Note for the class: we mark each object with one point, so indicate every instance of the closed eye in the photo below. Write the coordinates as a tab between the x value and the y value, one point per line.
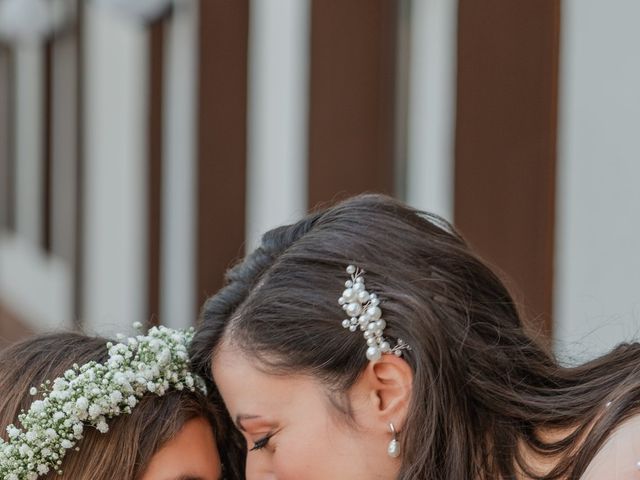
260	444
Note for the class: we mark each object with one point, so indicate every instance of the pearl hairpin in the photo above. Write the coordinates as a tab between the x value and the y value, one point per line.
365	314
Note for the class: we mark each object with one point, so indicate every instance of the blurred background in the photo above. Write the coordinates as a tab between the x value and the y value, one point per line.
146	144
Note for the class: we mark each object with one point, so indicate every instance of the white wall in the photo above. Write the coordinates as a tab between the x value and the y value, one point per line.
597	283
278	105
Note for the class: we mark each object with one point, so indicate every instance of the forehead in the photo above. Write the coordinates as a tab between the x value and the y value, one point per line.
248	389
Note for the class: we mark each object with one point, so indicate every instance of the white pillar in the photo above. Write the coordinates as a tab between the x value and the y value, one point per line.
432	92
278	111
178	244
115	207
29	112
597	293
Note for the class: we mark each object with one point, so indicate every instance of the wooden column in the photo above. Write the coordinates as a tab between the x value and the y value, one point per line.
352	98
7	152
506	142
222	151
78	263
155	142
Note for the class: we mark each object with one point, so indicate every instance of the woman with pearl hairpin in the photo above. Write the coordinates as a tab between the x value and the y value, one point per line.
414	363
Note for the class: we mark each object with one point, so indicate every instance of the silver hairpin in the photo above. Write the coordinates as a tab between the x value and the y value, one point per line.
364	311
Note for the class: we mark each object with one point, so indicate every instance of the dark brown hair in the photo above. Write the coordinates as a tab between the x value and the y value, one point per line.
482	387
126	450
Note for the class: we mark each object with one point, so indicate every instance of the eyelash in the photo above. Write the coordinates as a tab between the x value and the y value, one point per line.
262	443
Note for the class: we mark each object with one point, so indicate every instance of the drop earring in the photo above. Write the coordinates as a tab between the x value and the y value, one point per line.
393	450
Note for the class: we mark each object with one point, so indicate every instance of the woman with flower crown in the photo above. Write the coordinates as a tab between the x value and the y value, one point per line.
367	341
83	408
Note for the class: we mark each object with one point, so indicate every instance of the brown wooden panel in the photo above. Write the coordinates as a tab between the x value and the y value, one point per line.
352	107
154	186
78	264
7	157
506	140
222	117
47	146
12	328
62	140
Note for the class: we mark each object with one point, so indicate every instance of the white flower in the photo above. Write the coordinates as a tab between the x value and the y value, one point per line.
115	360
94	410
116	397
66	444
82	403
25	450
102	426
60	384
33	391
13	431
37	406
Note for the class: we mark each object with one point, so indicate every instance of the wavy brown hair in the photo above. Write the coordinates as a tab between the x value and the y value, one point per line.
126	450
483	388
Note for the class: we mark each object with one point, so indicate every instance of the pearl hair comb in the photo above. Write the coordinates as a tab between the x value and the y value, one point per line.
365	314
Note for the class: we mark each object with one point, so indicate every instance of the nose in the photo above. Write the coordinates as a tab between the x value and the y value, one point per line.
258	467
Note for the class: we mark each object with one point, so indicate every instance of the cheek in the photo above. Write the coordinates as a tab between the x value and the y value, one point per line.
316	452
291	460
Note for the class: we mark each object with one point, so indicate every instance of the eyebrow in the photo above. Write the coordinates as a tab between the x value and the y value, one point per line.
240	418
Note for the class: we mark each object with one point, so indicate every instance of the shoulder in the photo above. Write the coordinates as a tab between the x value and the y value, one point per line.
618	459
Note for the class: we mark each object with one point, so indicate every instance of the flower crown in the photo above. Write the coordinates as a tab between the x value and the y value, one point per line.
364	311
90	394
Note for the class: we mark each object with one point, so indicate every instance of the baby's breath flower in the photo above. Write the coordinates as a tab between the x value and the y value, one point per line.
90	394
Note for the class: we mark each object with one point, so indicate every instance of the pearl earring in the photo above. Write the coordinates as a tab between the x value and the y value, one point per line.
393	450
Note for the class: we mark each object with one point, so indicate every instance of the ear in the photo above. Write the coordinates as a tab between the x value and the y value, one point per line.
387	383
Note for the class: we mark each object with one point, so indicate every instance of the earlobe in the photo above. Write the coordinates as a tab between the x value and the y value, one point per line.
391	380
